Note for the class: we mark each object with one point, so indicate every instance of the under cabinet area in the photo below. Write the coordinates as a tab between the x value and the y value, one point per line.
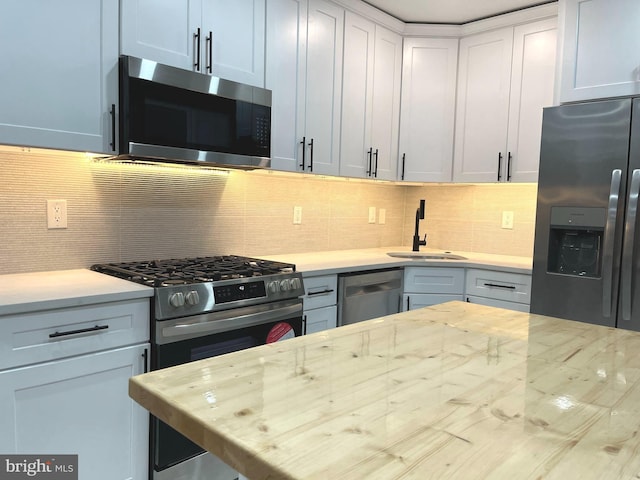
60	74
320	303
425	286
498	289
215	37
505	78
65	375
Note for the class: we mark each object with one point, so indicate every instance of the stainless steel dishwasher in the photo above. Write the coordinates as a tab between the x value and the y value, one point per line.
367	295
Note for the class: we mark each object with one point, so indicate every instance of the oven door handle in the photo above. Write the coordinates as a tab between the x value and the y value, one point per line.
208	324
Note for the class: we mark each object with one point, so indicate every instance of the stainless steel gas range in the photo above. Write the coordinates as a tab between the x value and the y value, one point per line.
203	307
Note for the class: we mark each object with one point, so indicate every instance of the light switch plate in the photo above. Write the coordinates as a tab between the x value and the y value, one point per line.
372	214
382	216
297	215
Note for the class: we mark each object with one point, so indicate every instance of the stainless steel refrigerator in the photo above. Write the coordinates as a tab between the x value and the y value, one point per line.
586	260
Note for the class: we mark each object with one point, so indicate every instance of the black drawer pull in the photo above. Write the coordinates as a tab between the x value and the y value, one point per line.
321	292
508	287
75	332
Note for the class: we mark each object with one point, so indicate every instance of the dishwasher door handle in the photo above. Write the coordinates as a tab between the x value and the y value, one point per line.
373	288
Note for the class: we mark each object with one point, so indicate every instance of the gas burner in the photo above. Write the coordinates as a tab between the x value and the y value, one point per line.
169	272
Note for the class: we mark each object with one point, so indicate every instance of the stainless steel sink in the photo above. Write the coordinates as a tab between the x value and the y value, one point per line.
426	255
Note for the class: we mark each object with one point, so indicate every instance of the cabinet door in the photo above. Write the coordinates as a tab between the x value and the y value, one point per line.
60	73
356	147
427	109
284	76
598	38
492	302
532	81
320	319
79	406
233	36
412	301
163	31
483	106
323	87
385	114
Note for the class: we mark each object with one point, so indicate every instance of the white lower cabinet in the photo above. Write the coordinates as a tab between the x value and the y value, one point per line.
425	286
320	303
79	405
498	289
64	375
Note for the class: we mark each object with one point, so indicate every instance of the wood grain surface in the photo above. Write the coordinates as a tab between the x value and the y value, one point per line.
454	391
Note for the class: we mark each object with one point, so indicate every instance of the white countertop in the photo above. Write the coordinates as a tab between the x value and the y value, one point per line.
343	261
29	292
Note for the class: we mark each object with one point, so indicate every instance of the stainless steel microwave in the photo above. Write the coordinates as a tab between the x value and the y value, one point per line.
174	115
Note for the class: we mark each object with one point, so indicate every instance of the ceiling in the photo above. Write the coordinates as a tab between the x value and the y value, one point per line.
449	11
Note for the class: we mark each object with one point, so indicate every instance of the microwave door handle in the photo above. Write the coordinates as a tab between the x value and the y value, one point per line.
609	237
627	249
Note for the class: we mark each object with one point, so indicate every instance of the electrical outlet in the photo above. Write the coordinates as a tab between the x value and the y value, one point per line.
297	215
507	220
372	214
382	216
56	214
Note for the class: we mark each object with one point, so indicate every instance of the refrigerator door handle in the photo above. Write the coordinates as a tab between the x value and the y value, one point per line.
609	236
627	249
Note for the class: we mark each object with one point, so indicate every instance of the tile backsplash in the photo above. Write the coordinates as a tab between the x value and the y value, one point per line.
139	212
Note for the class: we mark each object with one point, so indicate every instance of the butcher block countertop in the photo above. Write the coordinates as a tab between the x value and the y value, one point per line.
453	391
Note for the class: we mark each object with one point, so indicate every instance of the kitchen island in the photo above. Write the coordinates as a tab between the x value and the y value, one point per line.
453	391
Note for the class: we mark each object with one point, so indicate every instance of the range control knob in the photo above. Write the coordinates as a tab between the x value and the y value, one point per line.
274	287
295	283
192	298
285	285
176	299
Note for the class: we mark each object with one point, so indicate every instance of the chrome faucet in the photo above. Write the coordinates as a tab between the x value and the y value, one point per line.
416	235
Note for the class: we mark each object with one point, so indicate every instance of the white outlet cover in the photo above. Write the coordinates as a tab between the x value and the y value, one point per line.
56	214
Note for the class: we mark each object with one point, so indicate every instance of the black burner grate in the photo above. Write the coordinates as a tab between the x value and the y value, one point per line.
162	273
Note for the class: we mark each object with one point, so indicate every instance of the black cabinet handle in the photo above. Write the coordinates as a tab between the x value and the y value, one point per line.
304	325
81	330
403	159
113	127
145	358
507	287
408	305
509	167
370	156
311	156
321	292
375	170
196	39
499	165
304	150
209	50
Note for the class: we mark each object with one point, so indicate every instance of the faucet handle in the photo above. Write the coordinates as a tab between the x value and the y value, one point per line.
424	241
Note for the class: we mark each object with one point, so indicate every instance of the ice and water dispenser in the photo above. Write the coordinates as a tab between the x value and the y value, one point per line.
576	240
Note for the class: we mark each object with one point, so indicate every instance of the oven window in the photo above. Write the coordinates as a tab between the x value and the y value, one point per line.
170	447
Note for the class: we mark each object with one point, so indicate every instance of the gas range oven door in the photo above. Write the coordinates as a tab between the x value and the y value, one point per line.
194	338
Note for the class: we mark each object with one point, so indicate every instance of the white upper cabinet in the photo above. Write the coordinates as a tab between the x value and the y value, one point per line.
505	79
370	99
601	41
216	37
427	109
304	72
60	74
